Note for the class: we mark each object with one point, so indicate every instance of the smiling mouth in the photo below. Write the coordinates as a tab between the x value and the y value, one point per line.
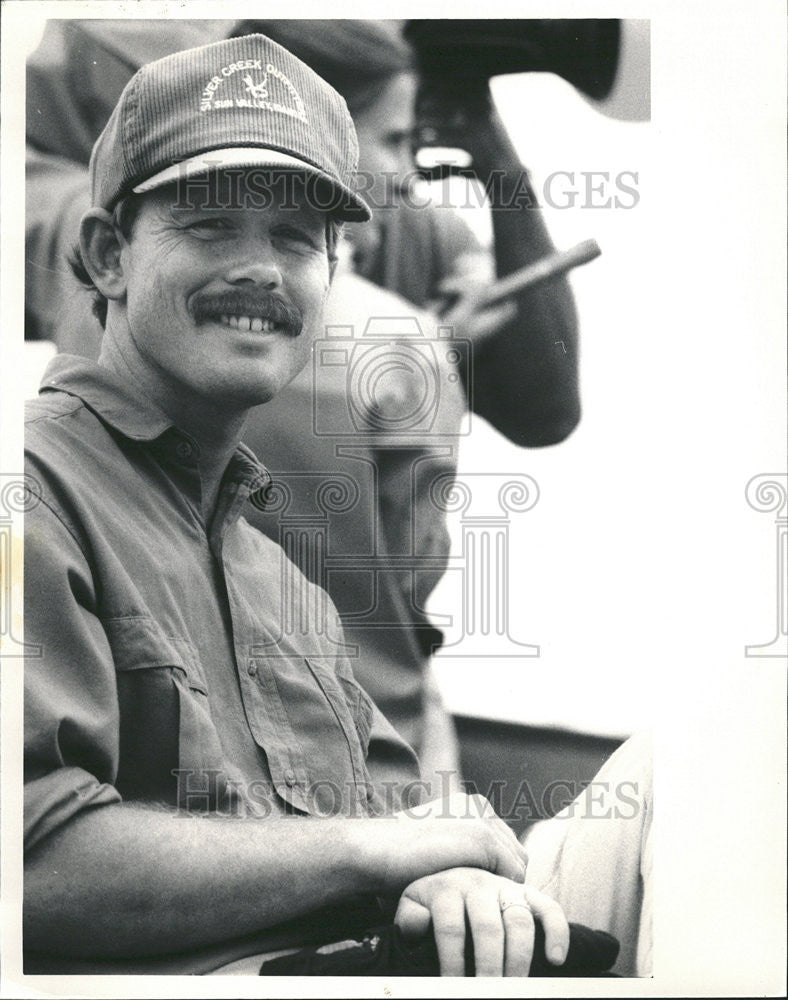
258	313
249	324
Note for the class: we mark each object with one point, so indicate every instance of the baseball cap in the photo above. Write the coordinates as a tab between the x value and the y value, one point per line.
242	102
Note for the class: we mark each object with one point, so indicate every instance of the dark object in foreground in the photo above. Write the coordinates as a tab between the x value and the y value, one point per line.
454	54
383	951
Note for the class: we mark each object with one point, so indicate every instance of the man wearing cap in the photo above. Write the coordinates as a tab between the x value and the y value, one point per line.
523	381
180	743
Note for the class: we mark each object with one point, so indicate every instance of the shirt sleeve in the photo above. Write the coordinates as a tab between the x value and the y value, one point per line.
71	705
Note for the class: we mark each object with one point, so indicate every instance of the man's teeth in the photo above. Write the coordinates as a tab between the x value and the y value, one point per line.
248	324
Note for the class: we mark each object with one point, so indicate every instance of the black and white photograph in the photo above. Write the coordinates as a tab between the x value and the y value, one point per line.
393	500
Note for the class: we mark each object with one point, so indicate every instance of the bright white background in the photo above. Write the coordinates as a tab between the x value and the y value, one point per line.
642	572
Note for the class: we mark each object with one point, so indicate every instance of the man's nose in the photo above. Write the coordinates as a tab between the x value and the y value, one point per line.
255	262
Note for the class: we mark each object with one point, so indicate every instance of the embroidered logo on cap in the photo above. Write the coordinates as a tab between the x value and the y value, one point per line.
266	88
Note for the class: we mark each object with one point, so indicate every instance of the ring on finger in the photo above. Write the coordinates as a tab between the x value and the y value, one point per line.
515	902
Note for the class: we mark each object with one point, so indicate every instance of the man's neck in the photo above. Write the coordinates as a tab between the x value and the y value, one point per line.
215	429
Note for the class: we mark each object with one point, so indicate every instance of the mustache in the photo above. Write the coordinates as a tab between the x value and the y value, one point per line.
240	302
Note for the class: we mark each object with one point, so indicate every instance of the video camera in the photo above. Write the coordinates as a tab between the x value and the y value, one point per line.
457	58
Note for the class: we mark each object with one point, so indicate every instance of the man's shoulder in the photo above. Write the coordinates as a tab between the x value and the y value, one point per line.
54	418
50	406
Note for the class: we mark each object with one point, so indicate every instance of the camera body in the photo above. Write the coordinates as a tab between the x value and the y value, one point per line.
393	381
457	59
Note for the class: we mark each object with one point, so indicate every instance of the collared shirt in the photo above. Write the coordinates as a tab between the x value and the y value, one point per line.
181	662
73	81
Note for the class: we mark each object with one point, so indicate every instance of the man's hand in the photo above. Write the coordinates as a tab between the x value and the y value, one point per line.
498	913
464	307
456	831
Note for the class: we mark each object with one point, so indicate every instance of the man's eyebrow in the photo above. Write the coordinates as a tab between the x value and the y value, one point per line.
177	211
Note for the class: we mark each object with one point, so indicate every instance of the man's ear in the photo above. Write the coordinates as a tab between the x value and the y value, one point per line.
100	245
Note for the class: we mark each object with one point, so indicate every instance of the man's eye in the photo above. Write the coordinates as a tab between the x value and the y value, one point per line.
297	236
209	226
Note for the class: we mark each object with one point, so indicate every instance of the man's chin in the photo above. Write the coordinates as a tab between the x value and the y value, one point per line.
258	392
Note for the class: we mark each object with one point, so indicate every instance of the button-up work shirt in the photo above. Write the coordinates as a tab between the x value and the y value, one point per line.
182	661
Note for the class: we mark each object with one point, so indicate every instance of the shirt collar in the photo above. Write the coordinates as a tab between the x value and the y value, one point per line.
116	403
110	397
246	467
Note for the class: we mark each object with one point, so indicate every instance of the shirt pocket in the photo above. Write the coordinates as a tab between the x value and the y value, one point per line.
169	750
360	705
353	709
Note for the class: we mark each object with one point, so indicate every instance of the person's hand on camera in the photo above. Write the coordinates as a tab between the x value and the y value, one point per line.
498	913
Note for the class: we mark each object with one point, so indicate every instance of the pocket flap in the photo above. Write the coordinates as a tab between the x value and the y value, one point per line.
139	643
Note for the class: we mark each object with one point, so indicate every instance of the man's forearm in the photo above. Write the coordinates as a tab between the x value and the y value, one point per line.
129	880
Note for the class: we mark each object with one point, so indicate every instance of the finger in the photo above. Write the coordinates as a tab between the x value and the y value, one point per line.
478	805
484	919
514	851
554	922
510	837
448	925
511	867
412	918
518	925
510	860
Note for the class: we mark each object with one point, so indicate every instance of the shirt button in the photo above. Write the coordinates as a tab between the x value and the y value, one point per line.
252	668
290	778
183	449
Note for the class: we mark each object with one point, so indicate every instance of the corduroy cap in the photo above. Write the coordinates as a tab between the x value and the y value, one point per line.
243	102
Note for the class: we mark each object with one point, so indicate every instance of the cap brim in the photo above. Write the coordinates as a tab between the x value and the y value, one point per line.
345	204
